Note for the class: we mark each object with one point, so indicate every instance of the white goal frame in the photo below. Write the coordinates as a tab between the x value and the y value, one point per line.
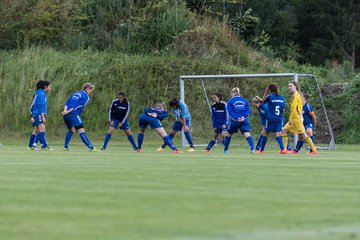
295	77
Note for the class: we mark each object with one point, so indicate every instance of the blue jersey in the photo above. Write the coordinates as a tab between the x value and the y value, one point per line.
307	109
160	112
238	107
38	105
182	111
263	112
219	114
276	106
77	101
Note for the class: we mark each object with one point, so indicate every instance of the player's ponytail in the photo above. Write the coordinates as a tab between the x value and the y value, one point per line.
274	88
235	92
305	95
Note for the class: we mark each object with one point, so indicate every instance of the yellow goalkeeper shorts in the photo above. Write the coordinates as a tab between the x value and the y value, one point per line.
296	127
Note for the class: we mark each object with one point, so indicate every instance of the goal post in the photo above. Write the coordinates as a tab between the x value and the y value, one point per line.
294	76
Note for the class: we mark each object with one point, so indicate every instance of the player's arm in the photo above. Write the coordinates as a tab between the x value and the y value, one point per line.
162	115
230	111
226	120
213	117
313	117
42	103
183	122
126	115
66	106
266	93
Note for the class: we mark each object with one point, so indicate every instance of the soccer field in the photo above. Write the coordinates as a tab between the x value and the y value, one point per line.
120	194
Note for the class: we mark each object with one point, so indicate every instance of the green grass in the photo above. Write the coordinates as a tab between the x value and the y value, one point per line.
119	194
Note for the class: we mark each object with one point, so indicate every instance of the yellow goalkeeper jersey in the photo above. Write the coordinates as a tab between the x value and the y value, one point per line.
296	107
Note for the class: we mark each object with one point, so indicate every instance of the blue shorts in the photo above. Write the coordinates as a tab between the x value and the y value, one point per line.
125	126
273	127
219	129
244	126
145	120
178	125
38	121
309	125
73	120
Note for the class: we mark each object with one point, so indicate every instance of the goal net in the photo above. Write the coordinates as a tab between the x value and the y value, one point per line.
203	86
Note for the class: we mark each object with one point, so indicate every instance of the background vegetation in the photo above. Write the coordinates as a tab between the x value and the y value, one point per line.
141	47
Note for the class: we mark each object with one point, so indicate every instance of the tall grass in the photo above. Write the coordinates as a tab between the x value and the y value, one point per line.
143	78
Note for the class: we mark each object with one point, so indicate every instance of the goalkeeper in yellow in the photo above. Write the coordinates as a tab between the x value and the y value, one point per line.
295	124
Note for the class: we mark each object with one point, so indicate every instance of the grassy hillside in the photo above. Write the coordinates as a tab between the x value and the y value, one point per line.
210	48
143	77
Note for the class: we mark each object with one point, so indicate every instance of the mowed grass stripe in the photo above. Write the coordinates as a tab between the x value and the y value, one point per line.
119	194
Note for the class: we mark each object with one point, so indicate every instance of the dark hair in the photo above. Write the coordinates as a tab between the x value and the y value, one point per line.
218	95
274	88
174	103
41	84
306	96
123	95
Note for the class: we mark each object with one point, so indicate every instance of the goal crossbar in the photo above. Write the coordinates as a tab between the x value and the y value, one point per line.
295	77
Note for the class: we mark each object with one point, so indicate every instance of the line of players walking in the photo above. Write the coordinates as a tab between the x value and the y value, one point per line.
227	119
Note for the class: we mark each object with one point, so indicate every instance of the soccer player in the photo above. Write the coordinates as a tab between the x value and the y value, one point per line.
182	122
118	114
38	109
219	118
239	111
262	109
275	116
153	117
309	121
73	108
295	124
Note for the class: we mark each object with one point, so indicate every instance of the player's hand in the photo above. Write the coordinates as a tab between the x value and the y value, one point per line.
64	113
120	124
44	120
186	128
32	120
224	126
111	123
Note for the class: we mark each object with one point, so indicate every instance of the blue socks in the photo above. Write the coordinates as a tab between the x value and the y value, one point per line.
168	141
211	144
140	139
280	141
171	136
106	140
259	143
313	139
42	139
86	141
189	139
299	145
263	144
32	140
68	137
251	142
132	141
227	143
